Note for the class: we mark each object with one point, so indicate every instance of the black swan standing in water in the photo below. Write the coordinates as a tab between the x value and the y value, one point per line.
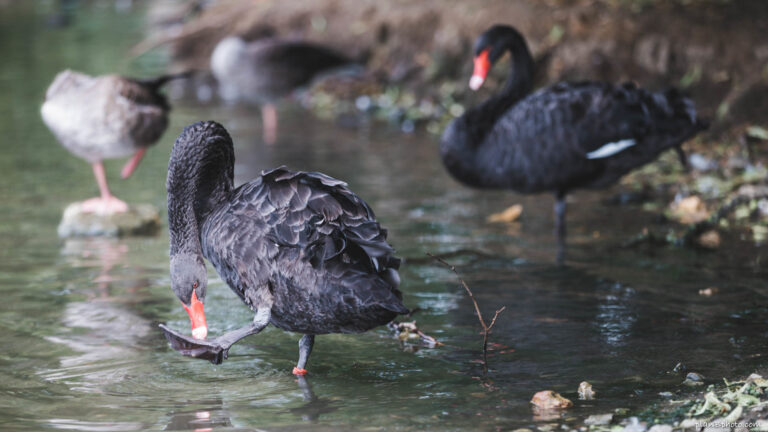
263	71
299	248
560	138
105	117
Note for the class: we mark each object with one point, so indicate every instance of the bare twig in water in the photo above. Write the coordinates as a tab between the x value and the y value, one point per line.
447	255
486	328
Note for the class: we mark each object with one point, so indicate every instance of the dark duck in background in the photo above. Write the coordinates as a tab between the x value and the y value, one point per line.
560	138
105	117
299	248
263	71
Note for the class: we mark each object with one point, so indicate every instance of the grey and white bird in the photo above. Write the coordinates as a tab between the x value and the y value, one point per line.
263	71
105	117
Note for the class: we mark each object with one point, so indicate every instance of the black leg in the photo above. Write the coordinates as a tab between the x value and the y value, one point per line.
305	349
560	231
683	158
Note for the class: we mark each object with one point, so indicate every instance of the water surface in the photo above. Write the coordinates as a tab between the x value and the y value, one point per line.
81	348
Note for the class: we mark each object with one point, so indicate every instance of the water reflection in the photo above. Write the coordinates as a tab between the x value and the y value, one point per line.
103	330
213	415
99	253
614	318
93	426
314	406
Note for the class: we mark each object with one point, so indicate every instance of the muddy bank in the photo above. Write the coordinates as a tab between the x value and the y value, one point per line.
717	51
419	56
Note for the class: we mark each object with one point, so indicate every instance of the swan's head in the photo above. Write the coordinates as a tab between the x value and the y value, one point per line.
489	48
189	281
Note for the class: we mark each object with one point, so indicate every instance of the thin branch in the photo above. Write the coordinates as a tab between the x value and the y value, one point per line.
486	328
496	315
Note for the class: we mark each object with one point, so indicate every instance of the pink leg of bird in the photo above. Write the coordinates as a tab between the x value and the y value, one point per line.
106	203
269	123
131	165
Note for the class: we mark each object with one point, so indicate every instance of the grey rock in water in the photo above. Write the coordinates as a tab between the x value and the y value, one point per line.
635	425
598	419
140	219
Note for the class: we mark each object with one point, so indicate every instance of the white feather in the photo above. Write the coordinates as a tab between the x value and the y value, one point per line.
611	149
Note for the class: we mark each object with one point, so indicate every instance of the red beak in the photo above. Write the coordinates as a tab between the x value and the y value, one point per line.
482	66
197	316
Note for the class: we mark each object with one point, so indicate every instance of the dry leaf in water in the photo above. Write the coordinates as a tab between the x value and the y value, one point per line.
585	391
509	215
548	399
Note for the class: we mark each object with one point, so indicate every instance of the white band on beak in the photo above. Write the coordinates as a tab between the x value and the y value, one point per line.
475	82
200	333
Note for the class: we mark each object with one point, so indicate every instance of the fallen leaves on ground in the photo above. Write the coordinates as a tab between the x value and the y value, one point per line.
689	210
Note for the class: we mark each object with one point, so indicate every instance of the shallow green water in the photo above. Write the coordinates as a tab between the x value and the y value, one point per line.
78	321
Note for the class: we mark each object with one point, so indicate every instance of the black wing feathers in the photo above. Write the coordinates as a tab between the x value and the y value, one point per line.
329	227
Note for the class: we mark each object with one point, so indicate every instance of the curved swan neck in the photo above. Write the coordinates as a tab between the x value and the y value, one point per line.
200	178
520	78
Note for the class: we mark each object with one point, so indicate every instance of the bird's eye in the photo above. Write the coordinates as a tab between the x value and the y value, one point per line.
194	285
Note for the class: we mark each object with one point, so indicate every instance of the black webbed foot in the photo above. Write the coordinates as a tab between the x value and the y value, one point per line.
203	349
215	350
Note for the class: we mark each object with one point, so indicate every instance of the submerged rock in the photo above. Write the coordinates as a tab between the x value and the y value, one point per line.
635	425
598	419
693	379
140	219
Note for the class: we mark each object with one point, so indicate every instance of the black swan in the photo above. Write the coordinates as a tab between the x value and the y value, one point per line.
104	117
560	138
300	249
263	71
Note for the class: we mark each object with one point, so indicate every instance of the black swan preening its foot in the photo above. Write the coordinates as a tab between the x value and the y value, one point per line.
105	117
560	138
263	71
299	248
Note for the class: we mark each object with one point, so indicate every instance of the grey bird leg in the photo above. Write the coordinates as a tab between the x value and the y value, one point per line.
305	349
216	350
560	231
260	321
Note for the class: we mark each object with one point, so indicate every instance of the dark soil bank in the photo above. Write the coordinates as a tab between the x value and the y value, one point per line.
716	50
